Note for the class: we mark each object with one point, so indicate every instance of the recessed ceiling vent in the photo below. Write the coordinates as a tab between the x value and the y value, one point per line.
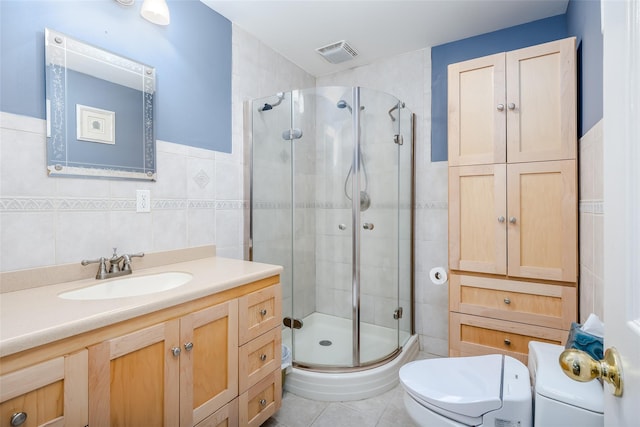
337	52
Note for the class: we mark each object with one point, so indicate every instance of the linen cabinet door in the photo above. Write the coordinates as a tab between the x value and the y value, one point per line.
134	379
543	218
542	102
477	111
51	393
477	219
209	361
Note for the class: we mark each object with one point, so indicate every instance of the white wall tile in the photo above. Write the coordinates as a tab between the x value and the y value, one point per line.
27	240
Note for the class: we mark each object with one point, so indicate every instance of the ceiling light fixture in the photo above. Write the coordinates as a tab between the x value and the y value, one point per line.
155	11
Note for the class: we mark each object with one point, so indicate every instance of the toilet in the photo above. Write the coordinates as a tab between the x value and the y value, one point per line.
496	390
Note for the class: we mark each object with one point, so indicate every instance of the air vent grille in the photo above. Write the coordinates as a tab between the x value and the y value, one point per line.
337	52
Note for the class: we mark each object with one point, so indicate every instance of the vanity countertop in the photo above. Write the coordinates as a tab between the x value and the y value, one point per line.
37	316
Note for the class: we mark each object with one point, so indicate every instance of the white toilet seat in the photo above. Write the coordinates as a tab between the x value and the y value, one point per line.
468	391
467	386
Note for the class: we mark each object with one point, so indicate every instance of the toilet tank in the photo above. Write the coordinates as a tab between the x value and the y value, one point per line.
559	400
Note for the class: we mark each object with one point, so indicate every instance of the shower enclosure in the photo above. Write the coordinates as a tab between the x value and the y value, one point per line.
331	201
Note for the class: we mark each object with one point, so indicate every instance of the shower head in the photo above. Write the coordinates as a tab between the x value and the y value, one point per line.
267	106
344	104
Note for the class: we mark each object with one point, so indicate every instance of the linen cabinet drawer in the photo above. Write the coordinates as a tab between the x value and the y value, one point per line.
552	306
259	312
261	401
259	357
474	335
227	416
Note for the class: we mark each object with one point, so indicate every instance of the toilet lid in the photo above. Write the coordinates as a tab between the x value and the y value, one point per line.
464	385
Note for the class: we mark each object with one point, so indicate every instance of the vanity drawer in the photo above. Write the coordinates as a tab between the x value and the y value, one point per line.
259	312
551	306
227	416
259	357
474	335
261	401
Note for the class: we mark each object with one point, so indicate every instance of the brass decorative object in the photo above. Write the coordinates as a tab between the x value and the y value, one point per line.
579	366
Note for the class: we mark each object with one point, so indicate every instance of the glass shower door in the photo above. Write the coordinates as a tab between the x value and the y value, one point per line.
271	192
378	211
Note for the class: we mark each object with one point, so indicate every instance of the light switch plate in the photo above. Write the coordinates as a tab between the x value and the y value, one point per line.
143	201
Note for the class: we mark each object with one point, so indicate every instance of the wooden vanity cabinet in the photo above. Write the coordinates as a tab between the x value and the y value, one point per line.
174	373
185	371
51	393
518	220
518	106
513	200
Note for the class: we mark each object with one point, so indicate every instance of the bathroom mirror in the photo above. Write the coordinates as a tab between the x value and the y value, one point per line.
99	112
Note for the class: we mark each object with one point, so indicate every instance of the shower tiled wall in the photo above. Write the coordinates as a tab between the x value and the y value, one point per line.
259	72
49	221
591	223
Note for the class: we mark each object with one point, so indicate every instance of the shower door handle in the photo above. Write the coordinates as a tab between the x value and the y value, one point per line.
367	226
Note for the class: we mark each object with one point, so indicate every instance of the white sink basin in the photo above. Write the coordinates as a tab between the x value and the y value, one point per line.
130	286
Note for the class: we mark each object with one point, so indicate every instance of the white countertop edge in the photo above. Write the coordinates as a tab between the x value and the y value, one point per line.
34	317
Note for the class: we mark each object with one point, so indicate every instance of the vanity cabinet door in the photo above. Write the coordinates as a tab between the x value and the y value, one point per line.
477	111
209	361
134	379
51	393
477	218
542	231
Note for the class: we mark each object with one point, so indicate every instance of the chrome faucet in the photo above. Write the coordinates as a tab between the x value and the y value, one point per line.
115	269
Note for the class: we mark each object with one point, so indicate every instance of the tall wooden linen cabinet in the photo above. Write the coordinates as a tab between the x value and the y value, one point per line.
513	218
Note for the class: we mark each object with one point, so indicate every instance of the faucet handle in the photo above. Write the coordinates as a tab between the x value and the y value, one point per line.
102	268
126	265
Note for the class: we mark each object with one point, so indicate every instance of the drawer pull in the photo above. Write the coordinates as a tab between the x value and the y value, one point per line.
263	357
507	301
18	418
262	402
263	312
507	341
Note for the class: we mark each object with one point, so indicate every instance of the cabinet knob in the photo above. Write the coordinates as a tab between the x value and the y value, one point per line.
262	402
263	312
507	301
188	346
500	219
512	220
18	418
263	357
512	106
500	107
175	351
507	341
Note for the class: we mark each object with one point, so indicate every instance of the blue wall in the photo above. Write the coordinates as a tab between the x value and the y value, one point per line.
583	21
541	31
192	57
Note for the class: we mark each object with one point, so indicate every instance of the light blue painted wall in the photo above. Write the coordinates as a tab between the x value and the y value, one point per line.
517	37
192	57
583	21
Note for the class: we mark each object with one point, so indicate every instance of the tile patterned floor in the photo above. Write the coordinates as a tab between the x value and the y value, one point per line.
386	410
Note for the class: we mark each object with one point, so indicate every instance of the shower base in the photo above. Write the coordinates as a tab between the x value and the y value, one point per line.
311	348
